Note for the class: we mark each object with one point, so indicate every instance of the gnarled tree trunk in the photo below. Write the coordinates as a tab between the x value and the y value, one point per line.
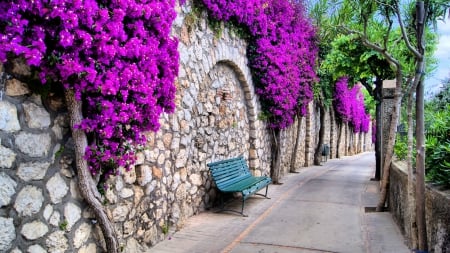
86	184
318	151
292	169
276	158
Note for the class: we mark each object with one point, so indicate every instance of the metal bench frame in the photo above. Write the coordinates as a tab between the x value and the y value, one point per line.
233	175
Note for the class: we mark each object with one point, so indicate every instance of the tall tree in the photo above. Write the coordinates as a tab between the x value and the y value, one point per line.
380	16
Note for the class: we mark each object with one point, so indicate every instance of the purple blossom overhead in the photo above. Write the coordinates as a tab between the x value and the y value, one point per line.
117	56
282	53
349	106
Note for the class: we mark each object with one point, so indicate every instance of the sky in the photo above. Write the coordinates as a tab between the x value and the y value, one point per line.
434	81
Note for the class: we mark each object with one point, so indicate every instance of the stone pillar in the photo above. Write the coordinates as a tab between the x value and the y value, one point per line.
387	108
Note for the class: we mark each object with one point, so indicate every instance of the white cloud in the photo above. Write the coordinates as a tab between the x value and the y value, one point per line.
442	54
443	49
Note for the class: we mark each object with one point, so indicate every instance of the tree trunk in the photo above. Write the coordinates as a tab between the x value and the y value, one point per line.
297	142
318	151
332	132
411	195
276	151
420	136
86	184
420	170
338	141
390	144
378	126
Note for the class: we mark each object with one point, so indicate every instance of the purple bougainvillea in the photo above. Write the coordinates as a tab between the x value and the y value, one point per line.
349	106
117	56
282	53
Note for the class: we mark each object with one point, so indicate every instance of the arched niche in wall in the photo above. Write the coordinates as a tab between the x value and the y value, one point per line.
226	120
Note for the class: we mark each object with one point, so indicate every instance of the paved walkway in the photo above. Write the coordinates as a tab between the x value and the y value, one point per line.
319	209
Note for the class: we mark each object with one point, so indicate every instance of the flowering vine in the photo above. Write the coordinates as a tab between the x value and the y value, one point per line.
282	53
117	56
349	106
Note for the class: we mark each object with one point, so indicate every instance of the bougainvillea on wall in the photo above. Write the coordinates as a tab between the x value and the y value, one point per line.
117	56
349	106
282	53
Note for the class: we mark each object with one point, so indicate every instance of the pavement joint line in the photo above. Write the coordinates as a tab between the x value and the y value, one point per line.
269	210
289	247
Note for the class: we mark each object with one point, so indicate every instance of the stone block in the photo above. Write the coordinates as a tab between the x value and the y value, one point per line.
7	157
32	171
34	230
29	201
28	143
9	121
57	188
7	190
7	233
57	242
82	235
16	88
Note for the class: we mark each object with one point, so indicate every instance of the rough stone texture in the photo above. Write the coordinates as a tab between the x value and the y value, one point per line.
29	201
82	234
7	157
57	242
36	249
9	121
16	250
57	188
34	230
7	233
72	213
36	116
92	248
32	171
437	209
7	189
27	143
16	88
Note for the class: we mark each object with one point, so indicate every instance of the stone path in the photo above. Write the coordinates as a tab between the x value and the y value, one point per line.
320	209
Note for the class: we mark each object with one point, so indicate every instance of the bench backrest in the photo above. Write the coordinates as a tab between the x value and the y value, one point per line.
230	171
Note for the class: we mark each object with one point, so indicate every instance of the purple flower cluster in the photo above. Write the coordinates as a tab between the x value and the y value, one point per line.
349	106
117	56
282	53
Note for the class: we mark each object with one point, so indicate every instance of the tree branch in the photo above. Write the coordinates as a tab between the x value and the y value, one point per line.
416	53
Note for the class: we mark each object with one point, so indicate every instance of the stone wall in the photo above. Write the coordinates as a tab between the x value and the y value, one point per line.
437	209
216	117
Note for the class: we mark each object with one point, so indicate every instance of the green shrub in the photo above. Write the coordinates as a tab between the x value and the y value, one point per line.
401	148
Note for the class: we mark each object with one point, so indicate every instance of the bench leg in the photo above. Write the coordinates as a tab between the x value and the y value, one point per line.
264	195
222	207
242	209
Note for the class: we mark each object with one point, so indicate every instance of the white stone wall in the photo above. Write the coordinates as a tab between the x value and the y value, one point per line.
40	208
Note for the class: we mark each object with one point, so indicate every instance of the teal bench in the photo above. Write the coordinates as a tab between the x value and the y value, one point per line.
233	175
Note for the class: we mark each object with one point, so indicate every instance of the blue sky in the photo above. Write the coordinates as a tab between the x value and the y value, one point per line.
434	81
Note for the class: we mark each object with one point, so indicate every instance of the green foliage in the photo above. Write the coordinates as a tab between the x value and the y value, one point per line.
63	225
59	152
369	103
165	228
401	148
437	123
438	161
